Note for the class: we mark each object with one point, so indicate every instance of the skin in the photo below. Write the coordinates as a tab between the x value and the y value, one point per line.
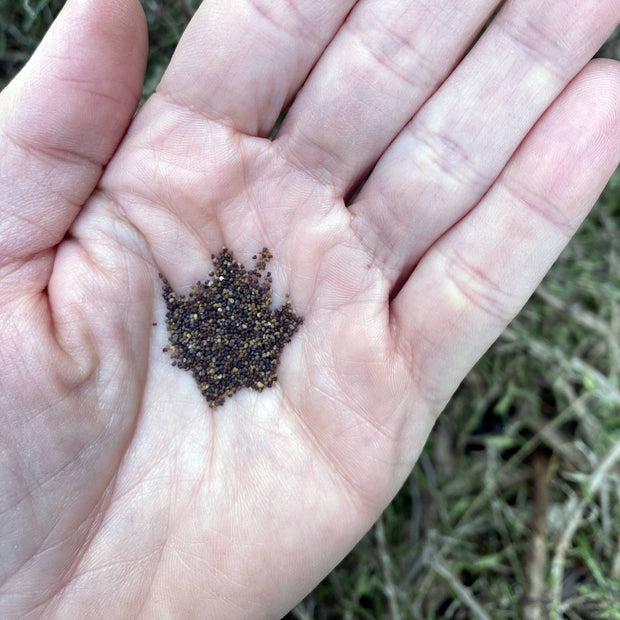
121	493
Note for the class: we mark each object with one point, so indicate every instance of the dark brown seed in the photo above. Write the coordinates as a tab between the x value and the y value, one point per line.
225	333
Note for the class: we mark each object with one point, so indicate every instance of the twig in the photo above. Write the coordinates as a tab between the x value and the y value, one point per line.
535	596
560	443
520	456
389	588
615	569
462	592
577	313
28	9
557	566
300	613
544	352
586	319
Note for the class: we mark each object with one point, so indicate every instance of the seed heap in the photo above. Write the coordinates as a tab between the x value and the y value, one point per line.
225	333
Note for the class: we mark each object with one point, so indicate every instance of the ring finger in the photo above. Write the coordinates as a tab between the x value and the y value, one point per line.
449	155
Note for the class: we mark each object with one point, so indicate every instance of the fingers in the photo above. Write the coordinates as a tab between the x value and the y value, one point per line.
458	143
384	63
62	118
239	62
475	279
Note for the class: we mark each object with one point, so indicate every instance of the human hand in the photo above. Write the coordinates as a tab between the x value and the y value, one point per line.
122	493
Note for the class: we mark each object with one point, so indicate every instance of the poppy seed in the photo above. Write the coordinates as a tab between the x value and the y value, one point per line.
225	333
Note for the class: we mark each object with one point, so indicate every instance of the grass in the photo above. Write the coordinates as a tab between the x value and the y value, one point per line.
514	508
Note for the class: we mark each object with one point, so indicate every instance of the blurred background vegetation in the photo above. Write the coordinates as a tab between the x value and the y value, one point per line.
513	510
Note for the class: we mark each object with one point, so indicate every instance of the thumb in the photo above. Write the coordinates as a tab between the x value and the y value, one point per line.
62	118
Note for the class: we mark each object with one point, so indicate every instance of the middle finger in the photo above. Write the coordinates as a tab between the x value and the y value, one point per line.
385	61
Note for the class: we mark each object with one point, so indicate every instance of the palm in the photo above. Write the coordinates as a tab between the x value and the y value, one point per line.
132	483
282	457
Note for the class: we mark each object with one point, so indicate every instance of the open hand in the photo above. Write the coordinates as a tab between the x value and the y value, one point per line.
122	493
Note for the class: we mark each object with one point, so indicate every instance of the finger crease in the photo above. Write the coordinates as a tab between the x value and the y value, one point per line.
59	154
421	78
479	289
541	206
450	157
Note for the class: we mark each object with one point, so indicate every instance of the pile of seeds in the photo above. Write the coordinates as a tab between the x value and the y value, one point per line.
225	333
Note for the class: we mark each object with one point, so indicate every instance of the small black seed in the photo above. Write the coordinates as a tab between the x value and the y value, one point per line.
225	333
